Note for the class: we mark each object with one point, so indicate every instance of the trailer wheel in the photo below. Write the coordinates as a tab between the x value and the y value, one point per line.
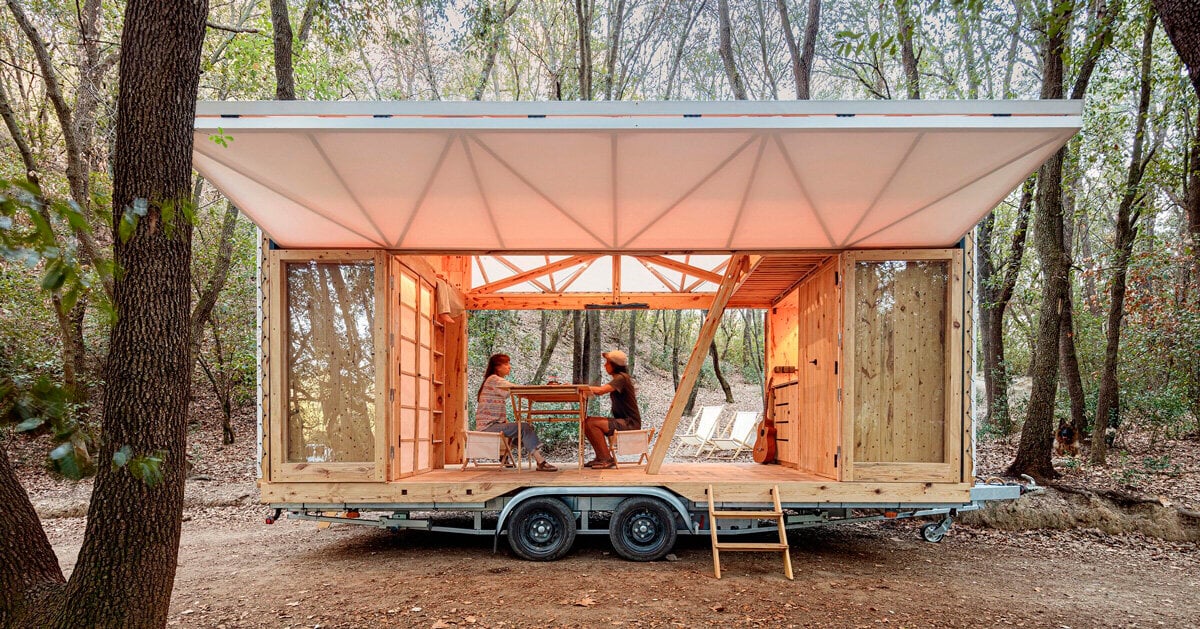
932	532
541	529
642	529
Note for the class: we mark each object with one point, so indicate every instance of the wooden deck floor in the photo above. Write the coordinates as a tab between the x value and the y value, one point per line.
570	474
740	482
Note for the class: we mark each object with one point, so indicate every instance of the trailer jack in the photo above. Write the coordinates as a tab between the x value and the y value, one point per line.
274	516
935	531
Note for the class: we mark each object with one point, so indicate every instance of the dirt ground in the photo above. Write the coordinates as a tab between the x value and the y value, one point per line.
235	571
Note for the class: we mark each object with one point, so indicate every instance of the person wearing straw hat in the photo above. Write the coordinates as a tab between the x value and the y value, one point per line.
625	412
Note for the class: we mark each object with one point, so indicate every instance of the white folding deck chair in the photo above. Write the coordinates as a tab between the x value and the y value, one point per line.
485	445
630	443
741	435
703	427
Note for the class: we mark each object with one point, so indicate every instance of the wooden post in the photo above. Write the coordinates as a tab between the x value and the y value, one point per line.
738	269
458	273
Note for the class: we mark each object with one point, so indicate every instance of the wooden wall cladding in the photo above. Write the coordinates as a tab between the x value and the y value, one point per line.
803	333
818	419
903	413
900	354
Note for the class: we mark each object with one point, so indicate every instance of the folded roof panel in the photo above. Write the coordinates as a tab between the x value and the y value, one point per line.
624	177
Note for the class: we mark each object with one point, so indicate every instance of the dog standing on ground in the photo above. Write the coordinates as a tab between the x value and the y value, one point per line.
1066	442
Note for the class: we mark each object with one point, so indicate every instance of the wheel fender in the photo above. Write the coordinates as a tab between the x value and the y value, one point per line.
668	497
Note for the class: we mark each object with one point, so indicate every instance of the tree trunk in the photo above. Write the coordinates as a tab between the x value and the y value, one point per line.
583	21
495	36
207	298
633	337
1181	20
1108	405
908	55
1069	360
28	565
126	565
617	19
592	347
802	61
726	50
548	350
1037	435
578	360
281	26
716	363
994	299
677	56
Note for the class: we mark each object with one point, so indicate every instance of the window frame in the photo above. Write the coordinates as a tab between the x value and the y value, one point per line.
281	469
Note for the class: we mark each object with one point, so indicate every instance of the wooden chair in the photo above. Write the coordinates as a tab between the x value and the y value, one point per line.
485	445
741	435
704	425
631	442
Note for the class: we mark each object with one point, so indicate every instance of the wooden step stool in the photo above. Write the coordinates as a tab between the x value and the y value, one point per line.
777	515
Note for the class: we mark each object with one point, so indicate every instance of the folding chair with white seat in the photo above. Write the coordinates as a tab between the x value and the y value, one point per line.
631	442
485	445
704	426
741	435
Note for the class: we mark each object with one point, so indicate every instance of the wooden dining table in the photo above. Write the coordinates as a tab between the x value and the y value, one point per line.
550	403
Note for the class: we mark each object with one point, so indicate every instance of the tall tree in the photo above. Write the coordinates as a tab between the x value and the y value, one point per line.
584	10
281	29
725	48
493	24
616	20
126	565
906	24
1037	435
802	58
1181	20
996	286
1128	213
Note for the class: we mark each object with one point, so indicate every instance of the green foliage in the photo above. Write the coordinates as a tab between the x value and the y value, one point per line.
30	398
147	468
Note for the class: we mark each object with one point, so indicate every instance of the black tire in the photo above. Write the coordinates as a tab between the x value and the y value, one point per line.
541	529
642	529
932	533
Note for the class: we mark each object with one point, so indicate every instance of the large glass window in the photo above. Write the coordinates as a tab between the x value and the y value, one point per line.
330	373
900	360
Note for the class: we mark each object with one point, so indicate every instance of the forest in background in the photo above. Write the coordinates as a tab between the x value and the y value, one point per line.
1104	237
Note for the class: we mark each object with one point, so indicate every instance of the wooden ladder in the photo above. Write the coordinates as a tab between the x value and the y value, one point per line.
718	546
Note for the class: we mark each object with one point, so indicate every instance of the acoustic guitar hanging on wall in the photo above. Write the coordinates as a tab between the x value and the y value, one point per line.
764	444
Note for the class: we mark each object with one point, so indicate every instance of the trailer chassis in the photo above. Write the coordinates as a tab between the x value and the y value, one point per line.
595	510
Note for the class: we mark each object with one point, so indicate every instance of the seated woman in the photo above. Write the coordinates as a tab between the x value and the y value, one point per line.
490	414
625	413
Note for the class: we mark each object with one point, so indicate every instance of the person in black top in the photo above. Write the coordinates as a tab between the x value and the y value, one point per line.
625	413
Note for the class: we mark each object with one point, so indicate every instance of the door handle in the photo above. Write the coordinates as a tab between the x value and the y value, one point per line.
814	362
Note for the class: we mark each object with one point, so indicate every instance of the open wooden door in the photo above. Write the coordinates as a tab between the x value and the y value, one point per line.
902	382
328	367
413	381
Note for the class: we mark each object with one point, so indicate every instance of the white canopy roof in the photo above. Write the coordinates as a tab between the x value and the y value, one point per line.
623	177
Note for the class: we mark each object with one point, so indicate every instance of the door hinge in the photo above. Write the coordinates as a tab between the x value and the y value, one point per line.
839	395
391	395
837	455
392	454
835	367
836	278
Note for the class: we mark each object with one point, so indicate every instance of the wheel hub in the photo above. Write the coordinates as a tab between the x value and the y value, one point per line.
541	529
643	528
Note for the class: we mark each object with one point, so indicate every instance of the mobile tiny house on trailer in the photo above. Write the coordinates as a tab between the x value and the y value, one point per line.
845	221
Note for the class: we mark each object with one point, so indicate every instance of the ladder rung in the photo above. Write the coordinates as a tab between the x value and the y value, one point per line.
747	514
750	546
